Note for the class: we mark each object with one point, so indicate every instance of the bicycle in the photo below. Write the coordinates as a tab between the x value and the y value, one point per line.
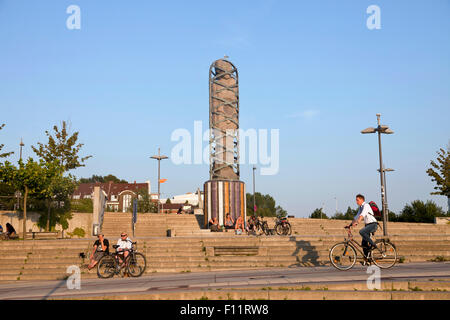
343	255
282	226
134	265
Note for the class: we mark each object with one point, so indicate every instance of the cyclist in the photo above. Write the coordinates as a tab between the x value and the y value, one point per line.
124	246
365	212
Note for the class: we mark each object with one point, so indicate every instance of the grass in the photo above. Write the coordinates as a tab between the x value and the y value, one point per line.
305	288
401	259
440	259
415	289
441	290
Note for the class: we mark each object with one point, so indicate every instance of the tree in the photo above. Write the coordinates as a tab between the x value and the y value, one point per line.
6	154
102	179
58	188
168	201
27	178
265	205
318	214
440	174
145	204
62	147
348	215
418	211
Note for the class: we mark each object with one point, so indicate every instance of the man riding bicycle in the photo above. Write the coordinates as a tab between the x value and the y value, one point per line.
124	245
365	212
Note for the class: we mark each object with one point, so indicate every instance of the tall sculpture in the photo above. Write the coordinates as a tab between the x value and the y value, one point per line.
224	193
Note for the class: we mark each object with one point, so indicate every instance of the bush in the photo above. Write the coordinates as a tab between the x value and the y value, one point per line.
418	211
79	232
318	214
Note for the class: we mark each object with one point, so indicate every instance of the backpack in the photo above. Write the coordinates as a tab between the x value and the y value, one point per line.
376	211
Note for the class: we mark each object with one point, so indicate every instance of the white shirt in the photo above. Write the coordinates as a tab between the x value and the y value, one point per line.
124	244
366	211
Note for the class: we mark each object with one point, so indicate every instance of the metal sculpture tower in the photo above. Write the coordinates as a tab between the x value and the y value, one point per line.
224	193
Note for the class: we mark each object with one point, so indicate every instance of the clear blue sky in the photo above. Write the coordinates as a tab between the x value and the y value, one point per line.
137	70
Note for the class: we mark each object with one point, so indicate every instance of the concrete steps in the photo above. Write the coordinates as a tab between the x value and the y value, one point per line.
49	259
395	290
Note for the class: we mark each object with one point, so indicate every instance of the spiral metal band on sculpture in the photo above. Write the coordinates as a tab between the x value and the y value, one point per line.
217	131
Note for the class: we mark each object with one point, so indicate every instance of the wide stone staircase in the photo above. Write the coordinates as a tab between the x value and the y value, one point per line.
152	225
193	249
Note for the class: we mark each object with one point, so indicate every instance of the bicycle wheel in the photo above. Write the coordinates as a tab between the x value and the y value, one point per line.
279	229
265	228
137	264
106	267
342	256
385	255
287	229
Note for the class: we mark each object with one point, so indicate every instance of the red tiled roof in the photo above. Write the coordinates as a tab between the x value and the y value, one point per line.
110	188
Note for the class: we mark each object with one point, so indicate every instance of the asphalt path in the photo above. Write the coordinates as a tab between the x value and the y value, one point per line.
159	283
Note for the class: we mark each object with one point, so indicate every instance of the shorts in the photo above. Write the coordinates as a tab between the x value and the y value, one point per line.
98	255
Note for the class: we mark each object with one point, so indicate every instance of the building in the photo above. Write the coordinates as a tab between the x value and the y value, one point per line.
187	198
119	195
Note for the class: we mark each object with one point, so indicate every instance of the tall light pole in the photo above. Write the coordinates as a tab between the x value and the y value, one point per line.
159	157
385	184
254	199
335	198
21	145
381	129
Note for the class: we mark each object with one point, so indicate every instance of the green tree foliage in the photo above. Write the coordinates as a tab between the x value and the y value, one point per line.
440	173
57	189
265	206
102	179
168	201
418	211
27	178
318	214
81	205
7	198
145	204
61	147
6	154
348	215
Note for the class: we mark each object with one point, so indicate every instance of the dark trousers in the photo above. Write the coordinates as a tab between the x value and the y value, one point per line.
365	234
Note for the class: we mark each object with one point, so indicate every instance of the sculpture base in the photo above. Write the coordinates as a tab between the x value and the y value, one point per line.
222	197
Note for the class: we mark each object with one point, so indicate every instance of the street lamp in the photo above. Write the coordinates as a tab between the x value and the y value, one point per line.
385	184
254	199
381	129
159	157
21	145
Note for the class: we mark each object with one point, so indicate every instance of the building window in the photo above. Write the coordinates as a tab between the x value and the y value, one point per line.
126	202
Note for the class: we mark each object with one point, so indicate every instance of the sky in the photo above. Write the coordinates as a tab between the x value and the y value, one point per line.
136	71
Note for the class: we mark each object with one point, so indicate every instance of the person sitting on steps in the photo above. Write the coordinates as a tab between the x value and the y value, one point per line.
229	222
239	226
101	247
214	225
124	245
10	231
